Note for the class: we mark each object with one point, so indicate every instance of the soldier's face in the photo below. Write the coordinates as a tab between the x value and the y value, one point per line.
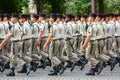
107	19
22	20
97	19
66	19
51	20
41	18
82	19
0	19
114	19
102	20
76	19
14	19
33	19
5	19
118	17
58	20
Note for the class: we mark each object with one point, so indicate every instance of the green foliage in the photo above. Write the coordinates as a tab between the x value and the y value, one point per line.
112	6
12	6
78	6
59	6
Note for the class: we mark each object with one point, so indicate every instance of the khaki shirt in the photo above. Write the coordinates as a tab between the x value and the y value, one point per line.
92	30
35	30
110	29
2	30
100	33
16	31
27	30
61	28
54	30
104	25
117	30
43	26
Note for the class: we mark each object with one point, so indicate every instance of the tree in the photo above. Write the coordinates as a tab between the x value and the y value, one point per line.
78	6
11	6
112	6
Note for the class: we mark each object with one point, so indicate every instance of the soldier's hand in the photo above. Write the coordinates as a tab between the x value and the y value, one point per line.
0	46
83	47
44	48
38	43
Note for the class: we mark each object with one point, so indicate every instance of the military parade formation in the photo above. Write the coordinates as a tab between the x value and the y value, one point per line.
59	41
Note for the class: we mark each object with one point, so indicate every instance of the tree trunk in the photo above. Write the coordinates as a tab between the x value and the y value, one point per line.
93	6
101	7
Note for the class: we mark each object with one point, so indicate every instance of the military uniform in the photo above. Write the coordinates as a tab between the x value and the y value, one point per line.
43	27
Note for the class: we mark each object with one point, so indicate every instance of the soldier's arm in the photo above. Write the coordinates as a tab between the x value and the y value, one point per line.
47	42
40	37
86	41
6	39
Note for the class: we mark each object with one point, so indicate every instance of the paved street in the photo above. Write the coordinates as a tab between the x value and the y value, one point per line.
41	74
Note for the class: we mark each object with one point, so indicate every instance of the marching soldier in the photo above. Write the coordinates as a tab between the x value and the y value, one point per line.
53	37
42	38
26	44
90	46
100	36
14	35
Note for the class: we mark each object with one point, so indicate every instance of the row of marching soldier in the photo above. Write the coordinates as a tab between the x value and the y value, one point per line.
59	41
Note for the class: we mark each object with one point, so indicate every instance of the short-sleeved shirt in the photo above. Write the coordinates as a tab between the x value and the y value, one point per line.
2	31
104	25
100	33
16	31
61	28
69	30
54	30
117	30
35	30
27	30
74	27
110	29
92	30
43	26
6	25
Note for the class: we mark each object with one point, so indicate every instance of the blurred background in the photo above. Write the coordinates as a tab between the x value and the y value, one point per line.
59	6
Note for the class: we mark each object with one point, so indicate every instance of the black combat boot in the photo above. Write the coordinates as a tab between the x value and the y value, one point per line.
7	65
112	63
24	69
2	65
91	72
30	67
73	66
99	68
43	64
48	63
55	71
118	59
63	67
35	66
11	73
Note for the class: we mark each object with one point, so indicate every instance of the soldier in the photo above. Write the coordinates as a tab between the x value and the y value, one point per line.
62	56
42	37
53	37
14	35
90	46
100	36
116	38
69	49
80	33
3	57
110	37
26	44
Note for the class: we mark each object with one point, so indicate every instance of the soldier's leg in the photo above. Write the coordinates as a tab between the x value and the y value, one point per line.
91	56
